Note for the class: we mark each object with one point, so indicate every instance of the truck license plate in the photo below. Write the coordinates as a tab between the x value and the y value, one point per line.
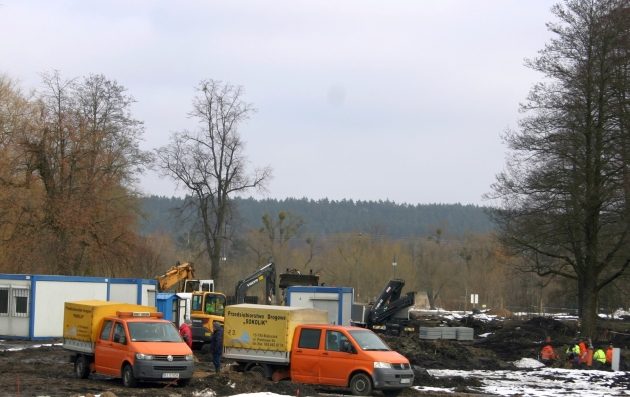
405	380
170	375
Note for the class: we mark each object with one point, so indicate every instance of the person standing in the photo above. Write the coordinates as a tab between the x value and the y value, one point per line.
609	354
547	354
573	354
216	345
186	332
583	352
599	358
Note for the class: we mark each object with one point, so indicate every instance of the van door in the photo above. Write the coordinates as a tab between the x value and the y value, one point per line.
338	359
305	357
118	348
103	349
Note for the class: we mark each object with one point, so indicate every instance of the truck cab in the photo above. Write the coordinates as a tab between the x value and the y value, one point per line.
138	346
351	357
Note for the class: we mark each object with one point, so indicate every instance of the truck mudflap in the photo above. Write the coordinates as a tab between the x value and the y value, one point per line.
393	378
163	369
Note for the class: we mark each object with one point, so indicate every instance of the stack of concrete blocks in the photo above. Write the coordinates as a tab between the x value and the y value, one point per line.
430	333
464	333
449	332
459	333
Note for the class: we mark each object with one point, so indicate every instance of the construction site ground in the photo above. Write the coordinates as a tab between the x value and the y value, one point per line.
44	368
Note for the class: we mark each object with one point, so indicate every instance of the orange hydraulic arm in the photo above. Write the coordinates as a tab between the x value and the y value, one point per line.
176	274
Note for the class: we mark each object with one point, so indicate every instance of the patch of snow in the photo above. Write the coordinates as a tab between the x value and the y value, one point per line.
528	363
204	393
542	382
433	389
484	317
487	334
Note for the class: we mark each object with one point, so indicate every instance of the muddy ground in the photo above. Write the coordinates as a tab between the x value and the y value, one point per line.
47	370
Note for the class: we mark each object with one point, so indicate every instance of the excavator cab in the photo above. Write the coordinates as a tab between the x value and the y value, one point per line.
206	308
212	304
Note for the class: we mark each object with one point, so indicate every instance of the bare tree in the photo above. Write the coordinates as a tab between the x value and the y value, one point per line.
210	162
74	157
565	201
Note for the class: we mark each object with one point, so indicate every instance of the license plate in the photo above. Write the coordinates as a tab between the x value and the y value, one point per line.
170	375
405	380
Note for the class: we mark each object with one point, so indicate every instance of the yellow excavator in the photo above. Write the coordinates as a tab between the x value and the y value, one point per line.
206	305
181	277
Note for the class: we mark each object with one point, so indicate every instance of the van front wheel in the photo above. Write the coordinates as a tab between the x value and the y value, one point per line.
127	376
361	385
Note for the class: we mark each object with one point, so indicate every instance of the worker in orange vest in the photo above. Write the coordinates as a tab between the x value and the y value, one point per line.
609	354
583	351
547	354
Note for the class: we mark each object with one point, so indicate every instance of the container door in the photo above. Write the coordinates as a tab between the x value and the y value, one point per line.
305	357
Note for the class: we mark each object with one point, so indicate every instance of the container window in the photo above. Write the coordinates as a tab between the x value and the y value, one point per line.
309	338
20	302
4	301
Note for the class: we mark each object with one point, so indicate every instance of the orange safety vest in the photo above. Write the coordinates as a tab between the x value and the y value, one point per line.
609	355
547	353
583	352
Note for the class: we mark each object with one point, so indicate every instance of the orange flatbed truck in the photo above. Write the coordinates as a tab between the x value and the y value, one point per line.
297	343
126	341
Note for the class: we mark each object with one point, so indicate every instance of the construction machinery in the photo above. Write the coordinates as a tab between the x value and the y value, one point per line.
389	312
181	277
206	308
267	274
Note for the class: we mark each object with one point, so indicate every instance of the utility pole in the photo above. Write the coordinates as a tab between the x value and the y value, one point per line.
394	265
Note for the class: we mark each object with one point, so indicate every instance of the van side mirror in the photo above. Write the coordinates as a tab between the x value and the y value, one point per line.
346	347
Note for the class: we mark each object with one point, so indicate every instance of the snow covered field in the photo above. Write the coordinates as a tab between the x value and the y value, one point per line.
543	382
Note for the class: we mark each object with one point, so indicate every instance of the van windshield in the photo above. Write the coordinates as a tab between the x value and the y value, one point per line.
368	340
153	332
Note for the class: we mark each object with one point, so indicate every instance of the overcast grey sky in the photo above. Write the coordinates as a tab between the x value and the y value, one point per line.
363	100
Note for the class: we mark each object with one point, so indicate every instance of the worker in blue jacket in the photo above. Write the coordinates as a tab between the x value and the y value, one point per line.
216	345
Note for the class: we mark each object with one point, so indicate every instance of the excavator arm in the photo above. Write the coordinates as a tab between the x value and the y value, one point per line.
268	274
176	274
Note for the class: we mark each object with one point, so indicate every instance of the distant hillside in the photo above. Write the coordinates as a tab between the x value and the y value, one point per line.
324	217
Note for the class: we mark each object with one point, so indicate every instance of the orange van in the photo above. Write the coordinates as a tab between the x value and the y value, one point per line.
350	357
137	346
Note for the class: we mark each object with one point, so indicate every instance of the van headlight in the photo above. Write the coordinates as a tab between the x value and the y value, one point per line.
142	356
189	357
381	364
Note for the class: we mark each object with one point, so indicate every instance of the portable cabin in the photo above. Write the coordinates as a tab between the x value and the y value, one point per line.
31	306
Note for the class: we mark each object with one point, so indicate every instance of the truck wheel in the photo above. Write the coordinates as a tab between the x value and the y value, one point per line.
258	369
82	367
127	376
361	385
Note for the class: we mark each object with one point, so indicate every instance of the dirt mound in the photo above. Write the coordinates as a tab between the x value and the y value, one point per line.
229	383
445	354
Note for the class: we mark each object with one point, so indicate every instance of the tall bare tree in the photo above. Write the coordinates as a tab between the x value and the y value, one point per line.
210	162
565	203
